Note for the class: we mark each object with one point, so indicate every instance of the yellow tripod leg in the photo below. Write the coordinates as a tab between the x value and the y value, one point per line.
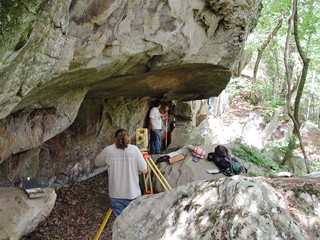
151	165
159	175
146	188
103	224
150	181
145	182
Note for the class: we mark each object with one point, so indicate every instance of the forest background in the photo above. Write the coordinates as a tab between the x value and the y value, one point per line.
282	74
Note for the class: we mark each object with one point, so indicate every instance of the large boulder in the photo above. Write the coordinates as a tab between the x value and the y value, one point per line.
20	215
190	169
186	170
229	208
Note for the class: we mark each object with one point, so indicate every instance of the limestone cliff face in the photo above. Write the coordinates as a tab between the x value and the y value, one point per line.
106	58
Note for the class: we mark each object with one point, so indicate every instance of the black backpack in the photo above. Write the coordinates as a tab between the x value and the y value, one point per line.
228	165
219	151
163	159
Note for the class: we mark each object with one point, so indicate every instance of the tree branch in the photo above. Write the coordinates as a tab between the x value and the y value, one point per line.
262	49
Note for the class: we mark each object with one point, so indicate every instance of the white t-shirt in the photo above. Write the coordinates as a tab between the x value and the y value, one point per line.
156	118
123	168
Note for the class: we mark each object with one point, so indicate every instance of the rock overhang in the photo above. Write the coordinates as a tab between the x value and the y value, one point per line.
182	82
74	52
70	42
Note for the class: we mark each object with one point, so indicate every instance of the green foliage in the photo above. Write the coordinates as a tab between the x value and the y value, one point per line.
236	86
292	144
277	148
283	149
253	155
315	165
274	104
268	114
271	80
271	83
272	11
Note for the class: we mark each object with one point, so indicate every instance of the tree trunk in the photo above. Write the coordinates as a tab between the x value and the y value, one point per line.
277	86
289	78
319	119
302	81
305	61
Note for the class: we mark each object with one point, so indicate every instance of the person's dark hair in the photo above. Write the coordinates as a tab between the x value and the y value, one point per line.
157	103
122	138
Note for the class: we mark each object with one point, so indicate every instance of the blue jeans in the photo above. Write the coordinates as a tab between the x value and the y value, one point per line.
118	205
155	141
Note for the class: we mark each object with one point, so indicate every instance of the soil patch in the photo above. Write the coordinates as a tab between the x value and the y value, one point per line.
78	212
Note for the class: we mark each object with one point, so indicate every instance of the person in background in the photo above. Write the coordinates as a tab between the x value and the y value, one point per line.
124	161
210	102
155	128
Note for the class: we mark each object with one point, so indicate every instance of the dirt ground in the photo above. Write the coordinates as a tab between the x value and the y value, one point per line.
78	212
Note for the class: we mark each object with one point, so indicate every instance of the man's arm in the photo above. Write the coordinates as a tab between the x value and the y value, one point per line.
100	160
151	123
142	163
144	171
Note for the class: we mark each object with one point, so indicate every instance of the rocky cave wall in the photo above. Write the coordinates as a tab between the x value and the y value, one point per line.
71	72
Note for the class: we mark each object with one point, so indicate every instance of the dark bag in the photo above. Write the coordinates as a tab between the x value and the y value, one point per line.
163	159
228	165
219	151
211	156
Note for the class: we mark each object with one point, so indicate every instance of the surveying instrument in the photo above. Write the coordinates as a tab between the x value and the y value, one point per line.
142	143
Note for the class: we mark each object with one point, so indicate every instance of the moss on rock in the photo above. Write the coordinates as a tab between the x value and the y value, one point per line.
16	21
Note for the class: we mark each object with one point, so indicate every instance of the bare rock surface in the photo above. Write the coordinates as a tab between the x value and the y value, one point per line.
56	54
72	45
187	170
229	208
20	215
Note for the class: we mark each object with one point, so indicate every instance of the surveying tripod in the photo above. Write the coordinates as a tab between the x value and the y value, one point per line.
147	177
152	168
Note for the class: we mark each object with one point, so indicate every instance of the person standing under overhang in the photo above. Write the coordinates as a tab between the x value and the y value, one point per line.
155	128
124	161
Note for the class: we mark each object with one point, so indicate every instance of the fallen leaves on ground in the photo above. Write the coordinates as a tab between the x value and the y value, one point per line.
78	212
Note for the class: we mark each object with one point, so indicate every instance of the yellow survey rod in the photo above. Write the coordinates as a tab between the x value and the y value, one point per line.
105	220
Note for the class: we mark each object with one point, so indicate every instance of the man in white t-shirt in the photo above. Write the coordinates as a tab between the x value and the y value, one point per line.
124	161
155	128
